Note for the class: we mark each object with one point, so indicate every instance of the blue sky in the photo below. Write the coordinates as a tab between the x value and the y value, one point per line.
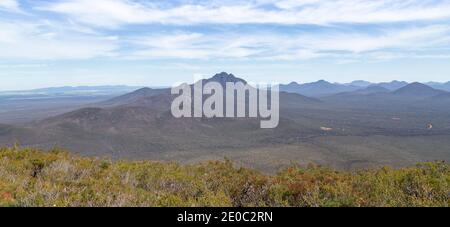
135	42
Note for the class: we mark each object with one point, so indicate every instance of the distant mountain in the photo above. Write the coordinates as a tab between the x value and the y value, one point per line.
72	91
135	98
224	78
360	97
294	100
325	88
393	85
373	89
359	83
317	89
162	97
440	86
418	89
365	91
447	86
292	87
412	96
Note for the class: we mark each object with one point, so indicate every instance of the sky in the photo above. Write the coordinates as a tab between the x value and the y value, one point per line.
49	43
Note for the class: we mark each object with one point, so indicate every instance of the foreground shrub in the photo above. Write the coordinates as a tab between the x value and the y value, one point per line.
30	177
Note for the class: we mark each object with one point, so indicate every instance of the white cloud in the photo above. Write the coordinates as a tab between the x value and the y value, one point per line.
22	66
290	4
101	12
78	37
113	13
9	5
50	40
409	38
42	41
199	46
336	44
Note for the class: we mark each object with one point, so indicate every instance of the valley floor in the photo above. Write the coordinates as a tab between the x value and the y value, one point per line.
30	177
338	152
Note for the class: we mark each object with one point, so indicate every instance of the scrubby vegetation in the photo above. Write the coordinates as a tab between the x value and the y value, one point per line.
30	177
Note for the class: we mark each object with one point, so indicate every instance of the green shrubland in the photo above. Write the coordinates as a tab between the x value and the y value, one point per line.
30	177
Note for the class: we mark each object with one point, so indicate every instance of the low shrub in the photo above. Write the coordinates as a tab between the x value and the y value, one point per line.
30	177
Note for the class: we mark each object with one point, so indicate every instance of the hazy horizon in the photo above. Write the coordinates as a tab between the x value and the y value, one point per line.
206	76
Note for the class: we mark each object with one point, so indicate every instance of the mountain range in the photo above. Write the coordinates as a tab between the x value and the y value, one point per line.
325	88
319	88
343	126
